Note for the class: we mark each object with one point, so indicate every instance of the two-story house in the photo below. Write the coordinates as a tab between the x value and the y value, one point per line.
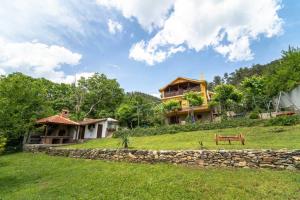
175	91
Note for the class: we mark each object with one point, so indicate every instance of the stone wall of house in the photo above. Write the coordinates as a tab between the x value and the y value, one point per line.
282	159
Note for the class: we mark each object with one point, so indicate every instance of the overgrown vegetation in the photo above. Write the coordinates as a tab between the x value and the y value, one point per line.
230	123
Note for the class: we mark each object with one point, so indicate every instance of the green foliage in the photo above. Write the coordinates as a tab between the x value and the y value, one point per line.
38	176
22	101
193	98
227	96
257	137
139	109
284	75
127	114
125	140
99	96
171	105
254	90
2	143
230	123
284	120
171	129
254	115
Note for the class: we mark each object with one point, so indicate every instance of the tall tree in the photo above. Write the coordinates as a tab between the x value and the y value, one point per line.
284	75
194	99
226	96
254	90
98	96
22	100
142	108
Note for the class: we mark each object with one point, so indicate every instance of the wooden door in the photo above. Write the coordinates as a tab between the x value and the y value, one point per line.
81	132
99	131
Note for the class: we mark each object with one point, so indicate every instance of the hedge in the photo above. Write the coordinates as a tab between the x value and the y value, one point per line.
232	123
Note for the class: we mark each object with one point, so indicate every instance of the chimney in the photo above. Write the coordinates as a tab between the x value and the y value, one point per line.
65	113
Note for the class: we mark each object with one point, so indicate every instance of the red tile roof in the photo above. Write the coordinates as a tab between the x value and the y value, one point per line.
56	119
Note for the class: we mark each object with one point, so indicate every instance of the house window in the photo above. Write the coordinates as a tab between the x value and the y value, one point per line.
91	126
199	117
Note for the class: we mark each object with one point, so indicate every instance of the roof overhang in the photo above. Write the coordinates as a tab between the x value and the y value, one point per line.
181	80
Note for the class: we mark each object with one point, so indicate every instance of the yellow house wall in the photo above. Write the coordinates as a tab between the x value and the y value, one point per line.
185	103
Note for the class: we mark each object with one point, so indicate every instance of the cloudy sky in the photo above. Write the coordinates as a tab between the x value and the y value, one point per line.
143	44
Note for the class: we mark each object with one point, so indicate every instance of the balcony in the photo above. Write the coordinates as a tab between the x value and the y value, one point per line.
180	91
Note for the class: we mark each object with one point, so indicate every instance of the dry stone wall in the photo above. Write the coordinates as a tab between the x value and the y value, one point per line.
281	159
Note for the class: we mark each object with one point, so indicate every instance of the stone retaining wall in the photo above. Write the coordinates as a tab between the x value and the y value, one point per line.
282	159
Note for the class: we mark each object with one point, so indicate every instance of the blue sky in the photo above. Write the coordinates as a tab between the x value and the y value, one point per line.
143	44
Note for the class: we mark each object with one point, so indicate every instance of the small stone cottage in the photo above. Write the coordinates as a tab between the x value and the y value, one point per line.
59	129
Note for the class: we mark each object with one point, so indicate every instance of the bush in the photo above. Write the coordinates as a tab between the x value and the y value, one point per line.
2	143
284	121
230	123
254	115
170	129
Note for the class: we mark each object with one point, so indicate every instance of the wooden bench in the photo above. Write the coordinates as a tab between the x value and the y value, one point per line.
230	138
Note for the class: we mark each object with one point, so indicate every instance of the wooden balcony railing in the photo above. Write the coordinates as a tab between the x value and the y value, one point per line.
180	92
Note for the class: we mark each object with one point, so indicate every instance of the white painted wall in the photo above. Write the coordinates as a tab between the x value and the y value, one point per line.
92	133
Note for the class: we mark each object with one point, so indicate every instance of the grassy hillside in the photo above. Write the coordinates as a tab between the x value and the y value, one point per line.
38	176
256	138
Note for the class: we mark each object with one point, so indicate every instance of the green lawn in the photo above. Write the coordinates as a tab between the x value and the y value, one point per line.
256	138
37	176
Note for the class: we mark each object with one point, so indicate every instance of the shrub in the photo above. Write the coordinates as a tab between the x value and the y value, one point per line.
254	115
2	143
229	123
284	121
125	140
171	129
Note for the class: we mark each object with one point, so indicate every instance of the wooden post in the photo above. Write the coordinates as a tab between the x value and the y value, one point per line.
46	133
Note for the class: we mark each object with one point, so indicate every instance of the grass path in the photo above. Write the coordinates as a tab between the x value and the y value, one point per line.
37	176
256	138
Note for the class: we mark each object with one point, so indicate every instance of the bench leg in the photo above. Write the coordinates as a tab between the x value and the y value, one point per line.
229	142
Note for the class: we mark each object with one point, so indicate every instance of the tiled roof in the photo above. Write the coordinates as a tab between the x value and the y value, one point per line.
56	119
181	78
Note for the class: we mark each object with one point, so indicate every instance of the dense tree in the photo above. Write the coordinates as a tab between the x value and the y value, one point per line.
22	101
98	96
284	75
254	93
2	143
139	109
172	106
216	81
127	114
193	99
226	97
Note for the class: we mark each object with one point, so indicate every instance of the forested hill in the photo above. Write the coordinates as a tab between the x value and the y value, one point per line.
279	75
149	97
235	78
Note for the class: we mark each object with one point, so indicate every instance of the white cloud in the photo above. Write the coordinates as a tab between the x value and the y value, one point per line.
45	19
114	26
2	72
36	59
74	78
33	32
149	13
226	26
